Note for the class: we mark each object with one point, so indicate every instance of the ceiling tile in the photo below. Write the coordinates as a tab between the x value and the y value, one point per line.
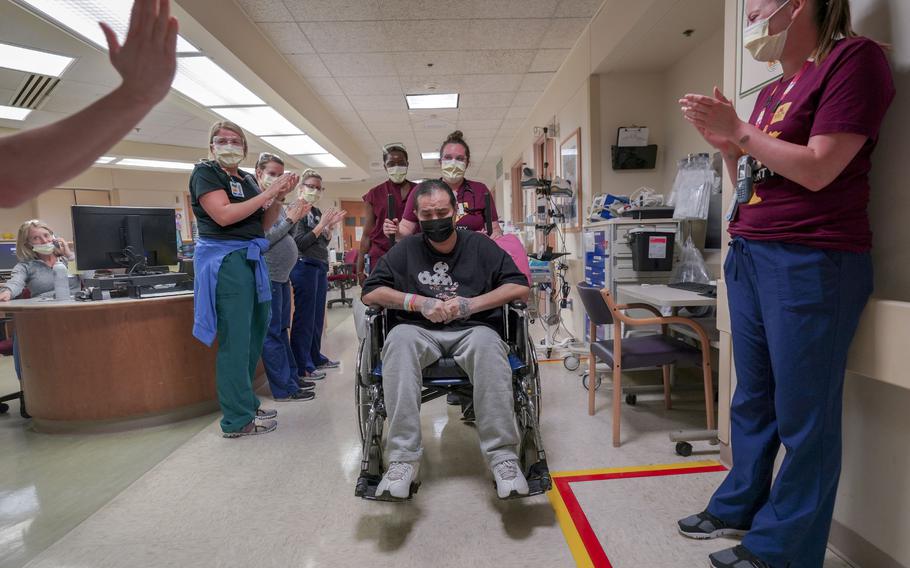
509	8
359	86
481	100
384	116
518	112
378	102
287	37
506	34
339	104
325	87
346	37
490	113
460	62
164	119
360	64
185	137
548	60
511	125
467	125
418	84
502	83
424	10
309	65
563	33
407	35
578	8
333	10
535	81
526	99
265	10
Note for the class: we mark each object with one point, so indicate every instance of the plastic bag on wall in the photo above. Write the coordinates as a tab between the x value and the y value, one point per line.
692	188
691	266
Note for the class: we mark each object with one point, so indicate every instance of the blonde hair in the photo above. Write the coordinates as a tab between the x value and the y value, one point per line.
24	250
832	18
226	125
309	173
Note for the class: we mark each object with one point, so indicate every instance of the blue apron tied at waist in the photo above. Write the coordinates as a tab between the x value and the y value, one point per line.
207	259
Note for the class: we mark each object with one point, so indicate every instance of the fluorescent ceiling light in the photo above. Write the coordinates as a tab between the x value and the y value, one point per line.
430	155
295	145
105	159
81	17
449	100
33	61
13	113
323	161
260	120
157	164
202	80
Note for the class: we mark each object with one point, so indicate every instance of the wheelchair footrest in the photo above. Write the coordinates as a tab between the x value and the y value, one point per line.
538	477
366	489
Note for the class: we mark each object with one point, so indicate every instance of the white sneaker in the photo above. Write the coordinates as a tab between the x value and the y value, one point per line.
397	480
509	479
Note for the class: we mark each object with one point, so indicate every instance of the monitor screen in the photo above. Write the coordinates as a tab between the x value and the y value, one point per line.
7	255
103	234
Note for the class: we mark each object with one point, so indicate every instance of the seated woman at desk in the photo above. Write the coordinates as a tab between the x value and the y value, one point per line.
38	250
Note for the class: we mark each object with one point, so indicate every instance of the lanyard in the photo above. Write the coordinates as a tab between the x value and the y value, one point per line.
768	103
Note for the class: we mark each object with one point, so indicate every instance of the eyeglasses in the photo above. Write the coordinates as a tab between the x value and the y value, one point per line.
313	187
224	141
266	156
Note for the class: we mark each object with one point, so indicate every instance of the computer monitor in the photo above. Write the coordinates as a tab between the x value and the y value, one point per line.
124	237
8	257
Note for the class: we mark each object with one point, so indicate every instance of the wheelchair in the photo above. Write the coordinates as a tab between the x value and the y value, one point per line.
439	380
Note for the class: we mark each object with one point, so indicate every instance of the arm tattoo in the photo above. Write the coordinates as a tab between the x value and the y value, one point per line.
428	306
464	307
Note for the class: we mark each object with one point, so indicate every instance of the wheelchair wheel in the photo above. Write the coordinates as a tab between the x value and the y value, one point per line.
4	408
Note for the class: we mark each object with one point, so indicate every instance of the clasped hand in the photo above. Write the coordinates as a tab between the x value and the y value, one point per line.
439	311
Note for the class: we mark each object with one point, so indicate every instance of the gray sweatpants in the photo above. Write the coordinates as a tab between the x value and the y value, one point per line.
484	357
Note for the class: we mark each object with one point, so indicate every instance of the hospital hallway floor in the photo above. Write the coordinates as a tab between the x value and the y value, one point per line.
182	495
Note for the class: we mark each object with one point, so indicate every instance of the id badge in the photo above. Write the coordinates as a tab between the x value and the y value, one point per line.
236	189
461	209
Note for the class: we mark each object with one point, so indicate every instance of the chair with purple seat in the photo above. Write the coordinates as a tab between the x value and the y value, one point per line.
642	352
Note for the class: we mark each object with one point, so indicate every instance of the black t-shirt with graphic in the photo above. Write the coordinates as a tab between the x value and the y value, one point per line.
476	266
208	177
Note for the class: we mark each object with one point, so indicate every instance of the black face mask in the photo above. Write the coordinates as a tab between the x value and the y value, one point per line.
438	230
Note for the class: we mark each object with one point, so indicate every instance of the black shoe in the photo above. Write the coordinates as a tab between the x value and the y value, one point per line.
300	395
704	526
736	557
305	385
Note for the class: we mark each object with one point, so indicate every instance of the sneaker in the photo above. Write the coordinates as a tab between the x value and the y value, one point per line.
510	482
299	395
736	557
316	375
329	364
305	385
266	414
398	479
253	429
704	526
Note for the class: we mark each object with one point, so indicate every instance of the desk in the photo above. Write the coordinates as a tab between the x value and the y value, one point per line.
113	363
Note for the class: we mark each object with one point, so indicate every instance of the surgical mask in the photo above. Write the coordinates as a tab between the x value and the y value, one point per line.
229	155
267	181
47	248
761	44
397	173
453	170
309	194
438	230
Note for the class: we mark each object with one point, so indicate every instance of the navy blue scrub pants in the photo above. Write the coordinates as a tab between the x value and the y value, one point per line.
794	311
277	357
310	279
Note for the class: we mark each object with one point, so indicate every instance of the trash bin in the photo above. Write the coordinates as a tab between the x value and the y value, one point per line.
652	251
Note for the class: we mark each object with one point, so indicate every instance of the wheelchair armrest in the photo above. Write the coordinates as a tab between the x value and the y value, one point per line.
374	310
519	305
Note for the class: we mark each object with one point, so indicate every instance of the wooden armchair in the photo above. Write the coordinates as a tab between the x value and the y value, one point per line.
655	350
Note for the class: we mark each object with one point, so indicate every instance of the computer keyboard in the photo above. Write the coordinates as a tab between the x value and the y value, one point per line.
697	287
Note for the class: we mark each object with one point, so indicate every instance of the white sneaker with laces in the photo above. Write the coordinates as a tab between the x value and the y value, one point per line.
398	479
509	479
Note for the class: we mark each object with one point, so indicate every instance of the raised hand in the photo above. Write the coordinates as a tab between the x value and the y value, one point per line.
147	60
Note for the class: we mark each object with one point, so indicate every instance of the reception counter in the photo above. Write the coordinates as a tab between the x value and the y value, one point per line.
112	364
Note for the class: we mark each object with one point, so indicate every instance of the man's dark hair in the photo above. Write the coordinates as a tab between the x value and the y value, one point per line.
429	186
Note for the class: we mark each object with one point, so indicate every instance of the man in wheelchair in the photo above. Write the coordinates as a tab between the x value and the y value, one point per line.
443	291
